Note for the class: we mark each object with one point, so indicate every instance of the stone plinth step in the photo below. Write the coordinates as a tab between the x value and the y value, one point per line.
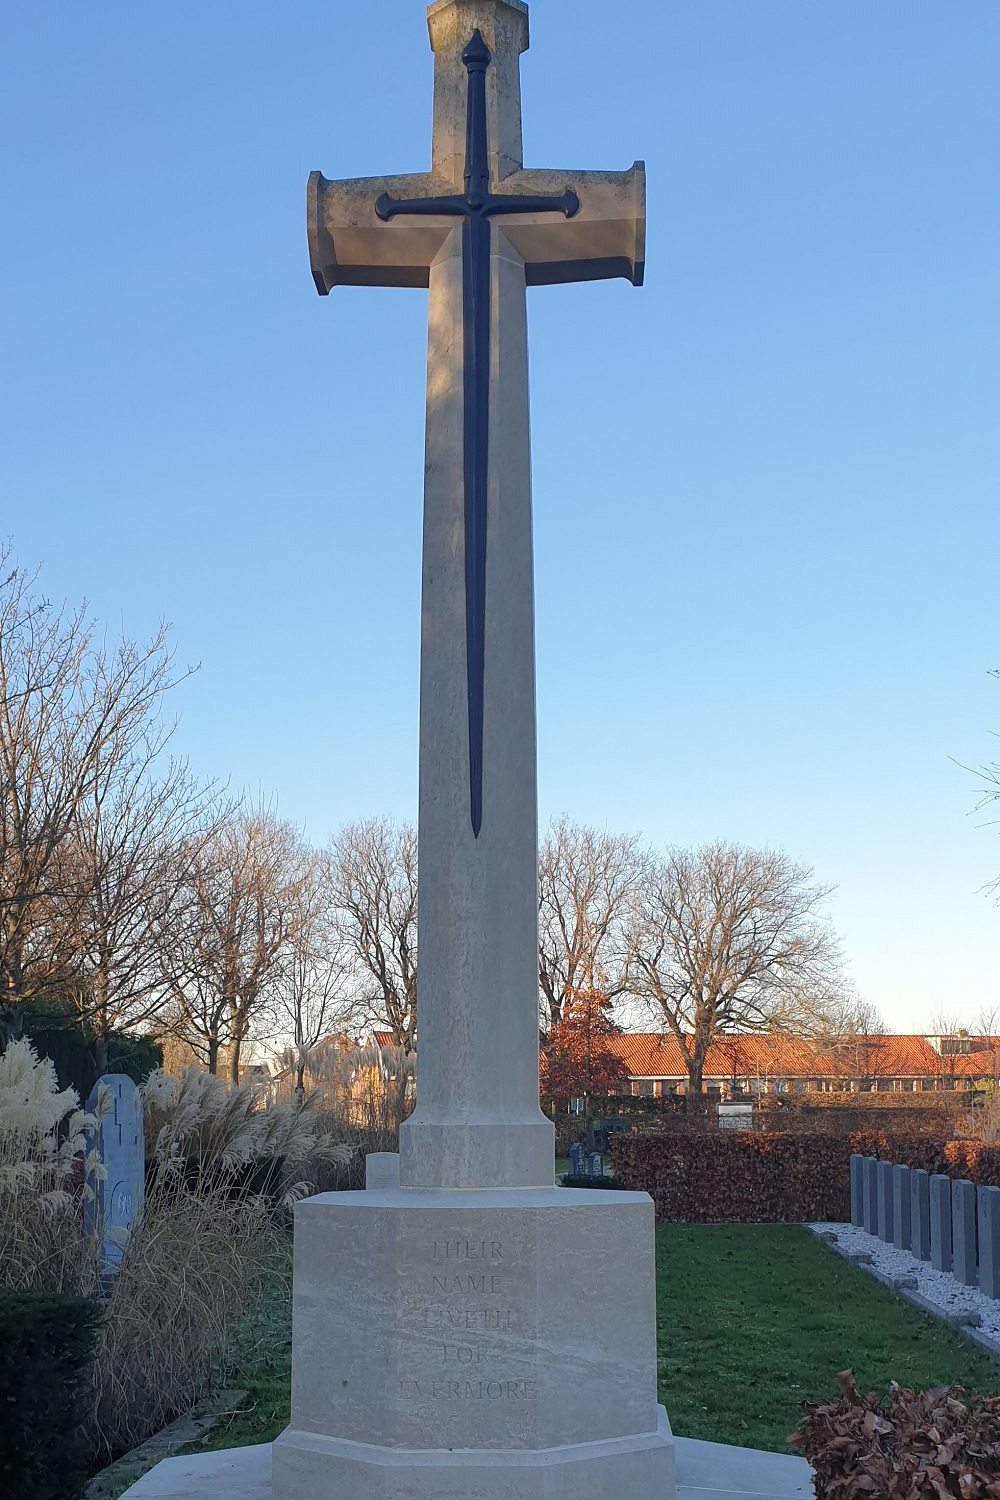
705	1471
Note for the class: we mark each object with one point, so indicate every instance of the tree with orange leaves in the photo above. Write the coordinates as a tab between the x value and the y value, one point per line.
576	1061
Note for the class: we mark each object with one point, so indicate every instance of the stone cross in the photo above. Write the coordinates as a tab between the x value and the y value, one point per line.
478	229
115	1195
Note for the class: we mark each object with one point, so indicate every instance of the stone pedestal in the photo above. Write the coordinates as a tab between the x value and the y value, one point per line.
474	1345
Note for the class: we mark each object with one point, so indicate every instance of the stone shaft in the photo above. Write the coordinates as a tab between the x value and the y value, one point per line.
477	1118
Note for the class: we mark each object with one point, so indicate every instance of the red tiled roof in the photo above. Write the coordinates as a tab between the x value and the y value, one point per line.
383	1039
650	1055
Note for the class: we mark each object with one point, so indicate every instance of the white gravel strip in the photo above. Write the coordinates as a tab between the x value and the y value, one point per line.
938	1287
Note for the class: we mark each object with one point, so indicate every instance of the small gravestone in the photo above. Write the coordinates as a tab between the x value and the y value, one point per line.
115	1195
920	1214
857	1189
576	1159
963	1231
884	1197
871	1195
595	1164
941	1222
989	1241
901	1207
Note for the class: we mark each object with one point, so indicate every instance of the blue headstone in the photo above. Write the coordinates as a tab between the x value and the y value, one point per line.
941	1222
989	1241
901	1207
857	1189
595	1164
576	1159
963	1231
920	1214
884	1200
871	1195
114	1197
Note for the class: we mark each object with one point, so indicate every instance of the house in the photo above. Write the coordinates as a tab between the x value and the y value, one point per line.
751	1064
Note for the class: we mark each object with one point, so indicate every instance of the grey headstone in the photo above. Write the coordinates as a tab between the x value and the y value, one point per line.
857	1189
382	1170
871	1195
941	1222
920	1214
901	1207
595	1164
576	1159
115	1198
884	1201
989	1241
963	1231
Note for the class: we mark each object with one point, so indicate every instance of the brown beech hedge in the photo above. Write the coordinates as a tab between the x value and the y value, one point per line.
788	1177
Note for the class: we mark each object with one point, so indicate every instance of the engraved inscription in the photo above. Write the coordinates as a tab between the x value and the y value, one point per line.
467	1390
463	1279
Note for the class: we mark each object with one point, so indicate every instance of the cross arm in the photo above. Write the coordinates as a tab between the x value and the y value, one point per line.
349	245
606	236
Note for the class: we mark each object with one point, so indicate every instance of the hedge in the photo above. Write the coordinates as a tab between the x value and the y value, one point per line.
745	1177
47	1346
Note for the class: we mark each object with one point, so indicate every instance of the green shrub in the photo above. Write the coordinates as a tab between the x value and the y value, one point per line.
581	1180
47	1346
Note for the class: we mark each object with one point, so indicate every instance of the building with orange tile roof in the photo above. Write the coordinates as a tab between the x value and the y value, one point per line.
751	1064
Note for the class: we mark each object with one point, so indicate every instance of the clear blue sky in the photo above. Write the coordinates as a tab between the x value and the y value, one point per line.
766	485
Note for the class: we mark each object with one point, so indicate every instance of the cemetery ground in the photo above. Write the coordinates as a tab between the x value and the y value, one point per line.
751	1320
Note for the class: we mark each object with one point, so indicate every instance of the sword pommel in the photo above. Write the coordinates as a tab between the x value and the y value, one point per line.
477	56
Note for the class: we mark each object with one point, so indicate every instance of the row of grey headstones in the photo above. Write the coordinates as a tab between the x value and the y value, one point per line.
947	1221
115	1175
581	1165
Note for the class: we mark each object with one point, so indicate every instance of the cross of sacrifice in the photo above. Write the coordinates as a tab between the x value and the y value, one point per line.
477	230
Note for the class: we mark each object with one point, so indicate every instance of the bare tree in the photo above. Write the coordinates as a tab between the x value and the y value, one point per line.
853	1032
374	871
124	883
221	959
69	704
586	880
726	940
313	989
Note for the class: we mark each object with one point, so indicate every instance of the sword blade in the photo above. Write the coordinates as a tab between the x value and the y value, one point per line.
476	318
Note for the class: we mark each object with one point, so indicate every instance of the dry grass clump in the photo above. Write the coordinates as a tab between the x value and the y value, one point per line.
362	1095
183	1307
42	1146
208	1253
929	1445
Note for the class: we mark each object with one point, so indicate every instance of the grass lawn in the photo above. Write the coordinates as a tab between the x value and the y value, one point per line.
754	1318
751	1320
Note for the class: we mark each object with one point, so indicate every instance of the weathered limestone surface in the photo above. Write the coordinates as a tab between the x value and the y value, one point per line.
471	1337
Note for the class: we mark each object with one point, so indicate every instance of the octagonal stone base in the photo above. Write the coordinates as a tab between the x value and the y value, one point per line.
474	1346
